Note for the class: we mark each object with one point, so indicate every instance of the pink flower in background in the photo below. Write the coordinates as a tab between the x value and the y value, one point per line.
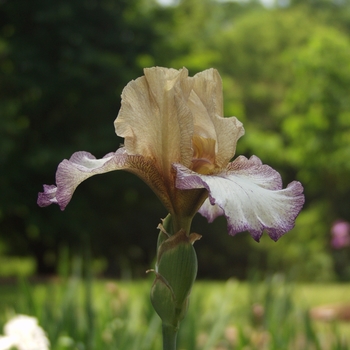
340	234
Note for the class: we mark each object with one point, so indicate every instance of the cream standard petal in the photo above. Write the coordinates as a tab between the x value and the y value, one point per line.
208	86
207	104
228	131
250	195
154	118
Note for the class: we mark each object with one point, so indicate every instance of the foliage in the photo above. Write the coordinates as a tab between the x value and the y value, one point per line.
63	67
296	119
109	315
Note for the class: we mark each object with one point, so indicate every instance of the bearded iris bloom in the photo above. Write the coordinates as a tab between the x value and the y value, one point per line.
178	142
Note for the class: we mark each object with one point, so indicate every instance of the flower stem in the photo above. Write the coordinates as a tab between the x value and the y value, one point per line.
169	336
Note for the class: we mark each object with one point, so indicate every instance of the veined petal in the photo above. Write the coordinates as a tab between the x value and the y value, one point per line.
207	104
70	173
82	165
154	118
208	87
249	194
48	196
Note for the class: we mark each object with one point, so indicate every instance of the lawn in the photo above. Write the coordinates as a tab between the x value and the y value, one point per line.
273	314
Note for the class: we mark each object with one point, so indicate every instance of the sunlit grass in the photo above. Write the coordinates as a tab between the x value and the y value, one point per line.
78	314
318	294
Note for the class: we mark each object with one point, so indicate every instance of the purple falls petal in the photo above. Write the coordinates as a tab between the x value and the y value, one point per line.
70	173
249	194
48	196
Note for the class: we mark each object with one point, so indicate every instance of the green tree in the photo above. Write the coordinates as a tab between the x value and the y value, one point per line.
63	66
292	74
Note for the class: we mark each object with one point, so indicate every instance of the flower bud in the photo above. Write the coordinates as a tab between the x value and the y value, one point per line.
176	271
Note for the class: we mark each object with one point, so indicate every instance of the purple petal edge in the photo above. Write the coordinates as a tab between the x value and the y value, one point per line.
70	173
48	196
256	202
275	233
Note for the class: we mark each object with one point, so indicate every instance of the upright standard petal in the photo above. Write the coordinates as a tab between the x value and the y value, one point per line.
154	118
207	106
249	194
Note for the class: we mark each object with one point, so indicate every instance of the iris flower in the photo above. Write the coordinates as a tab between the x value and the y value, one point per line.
178	142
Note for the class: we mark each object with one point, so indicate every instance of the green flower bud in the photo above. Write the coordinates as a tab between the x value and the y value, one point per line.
176	271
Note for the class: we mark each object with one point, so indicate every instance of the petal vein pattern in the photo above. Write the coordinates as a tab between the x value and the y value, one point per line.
70	173
249	194
154	118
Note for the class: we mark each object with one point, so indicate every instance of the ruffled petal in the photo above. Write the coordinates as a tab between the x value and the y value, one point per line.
48	196
154	118
82	165
207	106
70	173
249	194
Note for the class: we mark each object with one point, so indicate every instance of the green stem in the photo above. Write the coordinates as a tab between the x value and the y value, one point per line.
169	336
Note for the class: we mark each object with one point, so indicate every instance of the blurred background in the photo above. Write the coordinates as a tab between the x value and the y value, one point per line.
285	67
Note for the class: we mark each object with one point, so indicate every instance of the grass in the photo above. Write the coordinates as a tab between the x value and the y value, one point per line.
80	315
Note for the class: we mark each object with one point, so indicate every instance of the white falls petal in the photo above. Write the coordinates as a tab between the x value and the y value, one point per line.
249	194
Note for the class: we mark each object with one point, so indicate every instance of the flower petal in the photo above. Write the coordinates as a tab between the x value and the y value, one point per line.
7	343
70	173
249	194
207	106
25	333
48	196
82	165
154	118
